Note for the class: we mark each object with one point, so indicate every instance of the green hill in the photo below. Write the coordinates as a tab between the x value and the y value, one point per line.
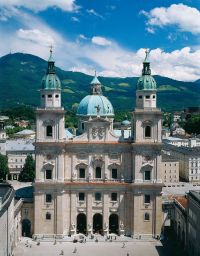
21	74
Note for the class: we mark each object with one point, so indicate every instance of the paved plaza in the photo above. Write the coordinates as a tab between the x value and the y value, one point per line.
101	248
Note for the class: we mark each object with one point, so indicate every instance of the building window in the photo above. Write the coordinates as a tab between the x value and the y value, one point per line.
98	173
48	174
49	130
83	126
113	196
114	173
42	95
147	175
147	97
147	131
140	97
57	96
154	96
81	196
147	199
97	196
50	96
48	198
146	216
82	173
48	216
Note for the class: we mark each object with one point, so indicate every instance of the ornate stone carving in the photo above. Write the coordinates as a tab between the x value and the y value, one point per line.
48	122
98	132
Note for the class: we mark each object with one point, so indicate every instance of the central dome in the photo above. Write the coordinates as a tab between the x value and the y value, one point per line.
95	105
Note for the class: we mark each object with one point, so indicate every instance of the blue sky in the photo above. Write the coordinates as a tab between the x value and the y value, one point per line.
107	35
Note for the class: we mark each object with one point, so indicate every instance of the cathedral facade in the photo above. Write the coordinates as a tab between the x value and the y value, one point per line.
98	182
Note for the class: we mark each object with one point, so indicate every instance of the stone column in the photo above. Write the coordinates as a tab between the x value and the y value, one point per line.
73	213
60	167
106	213
89	214
121	213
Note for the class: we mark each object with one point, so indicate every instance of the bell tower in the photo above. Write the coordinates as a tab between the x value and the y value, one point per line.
50	115
147	144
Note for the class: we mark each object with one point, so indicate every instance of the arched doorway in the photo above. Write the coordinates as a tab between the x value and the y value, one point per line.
97	223
26	228
114	223
81	223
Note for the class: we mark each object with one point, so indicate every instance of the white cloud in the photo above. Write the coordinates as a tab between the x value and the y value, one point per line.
101	41
35	36
93	12
75	19
186	18
38	5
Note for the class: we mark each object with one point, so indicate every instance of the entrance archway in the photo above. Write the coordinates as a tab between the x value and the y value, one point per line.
26	228
81	223
114	223
97	223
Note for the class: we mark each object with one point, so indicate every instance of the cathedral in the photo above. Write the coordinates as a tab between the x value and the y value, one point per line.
97	182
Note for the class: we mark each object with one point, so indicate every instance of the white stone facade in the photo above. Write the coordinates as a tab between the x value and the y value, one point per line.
97	182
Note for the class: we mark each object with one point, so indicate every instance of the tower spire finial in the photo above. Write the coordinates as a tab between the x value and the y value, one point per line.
147	51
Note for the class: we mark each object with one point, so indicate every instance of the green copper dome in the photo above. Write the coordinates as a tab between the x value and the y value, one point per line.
95	104
146	81
50	81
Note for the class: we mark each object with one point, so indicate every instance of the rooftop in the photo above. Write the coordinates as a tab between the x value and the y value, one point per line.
195	194
20	145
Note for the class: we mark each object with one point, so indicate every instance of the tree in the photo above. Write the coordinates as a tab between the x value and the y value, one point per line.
28	171
4	170
192	124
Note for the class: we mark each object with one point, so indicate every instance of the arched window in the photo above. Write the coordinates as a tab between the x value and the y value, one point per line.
147	175
98	173
48	216
82	173
114	173
146	216
147	131
49	130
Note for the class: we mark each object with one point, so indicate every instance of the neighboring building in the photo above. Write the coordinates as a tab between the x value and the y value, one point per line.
179	219
2	139
25	134
98	182
22	123
165	133
185	142
177	116
7	237
189	161
194	223
170	169
17	151
178	131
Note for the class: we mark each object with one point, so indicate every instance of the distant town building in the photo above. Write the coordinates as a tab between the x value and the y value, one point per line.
189	161
26	134
170	169
17	150
185	142
22	123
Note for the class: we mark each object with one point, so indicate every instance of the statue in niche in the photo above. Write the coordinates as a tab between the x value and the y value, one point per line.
121	226
72	226
73	175
89	226
105	226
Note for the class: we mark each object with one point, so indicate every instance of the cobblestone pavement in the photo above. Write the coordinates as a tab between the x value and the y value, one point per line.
115	248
